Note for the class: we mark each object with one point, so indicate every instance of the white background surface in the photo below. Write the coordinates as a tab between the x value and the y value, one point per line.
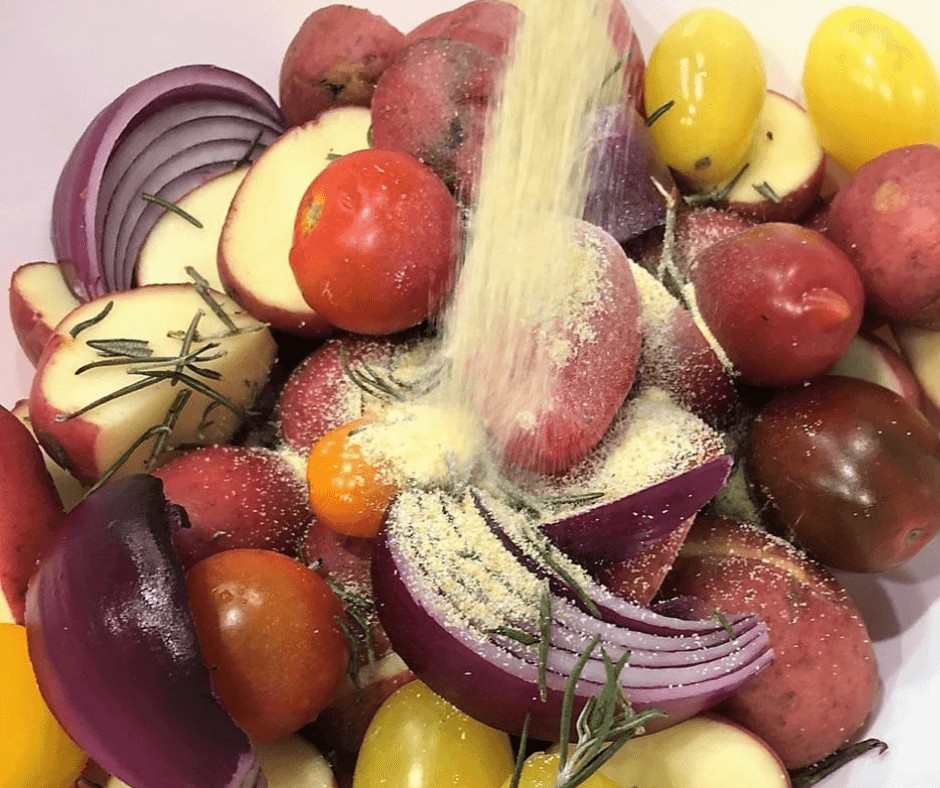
63	60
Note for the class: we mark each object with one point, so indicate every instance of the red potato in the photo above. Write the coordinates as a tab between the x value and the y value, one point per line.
871	358
335	60
235	498
821	687
39	299
431	103
488	24
782	301
851	470
885	219
30	512
786	166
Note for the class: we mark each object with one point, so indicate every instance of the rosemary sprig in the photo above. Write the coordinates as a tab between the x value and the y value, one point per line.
92	321
719	192
618	66
109	397
725	624
564	574
246	156
122	348
575	499
605	724
810	775
172	207
202	288
545	636
333	155
766	191
519	635
520	755
169	421
359	609
659	112
187	344
157	430
156	375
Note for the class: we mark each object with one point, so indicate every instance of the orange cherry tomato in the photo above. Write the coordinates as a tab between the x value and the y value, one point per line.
270	632
375	242
348	493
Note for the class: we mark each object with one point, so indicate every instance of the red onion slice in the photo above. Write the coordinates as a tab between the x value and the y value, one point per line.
115	652
76	201
495	678
622	529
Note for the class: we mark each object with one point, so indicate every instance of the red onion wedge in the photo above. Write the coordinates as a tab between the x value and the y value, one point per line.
115	652
155	112
470	620
622	529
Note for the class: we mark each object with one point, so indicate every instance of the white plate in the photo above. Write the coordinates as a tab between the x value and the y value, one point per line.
60	62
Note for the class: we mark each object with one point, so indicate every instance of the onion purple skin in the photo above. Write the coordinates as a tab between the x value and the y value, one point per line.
622	198
625	528
75	238
115	651
494	681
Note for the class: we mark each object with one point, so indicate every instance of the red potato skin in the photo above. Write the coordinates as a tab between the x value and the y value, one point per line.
32	510
431	103
235	498
821	687
885	219
315	399
791	207
679	360
335	59
33	327
488	24
566	429
75	438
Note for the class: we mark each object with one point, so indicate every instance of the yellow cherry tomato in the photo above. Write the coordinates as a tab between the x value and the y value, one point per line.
34	750
417	740
870	86
709	64
541	771
348	493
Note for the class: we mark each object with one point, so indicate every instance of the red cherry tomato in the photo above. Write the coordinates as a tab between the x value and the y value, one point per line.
375	242
269	631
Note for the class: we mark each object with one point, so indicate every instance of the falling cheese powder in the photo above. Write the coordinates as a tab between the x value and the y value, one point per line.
525	273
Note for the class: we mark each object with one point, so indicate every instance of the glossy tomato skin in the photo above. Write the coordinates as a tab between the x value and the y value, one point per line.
870	86
851	470
375	242
268	628
418	740
710	66
34	750
347	493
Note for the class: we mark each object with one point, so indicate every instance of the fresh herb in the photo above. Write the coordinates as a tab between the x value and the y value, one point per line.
519	635
122	348
197	385
172	207
725	624
156	431
564	574
659	112
383	385
810	775
618	66
605	724
719	193
520	755
246	157
202	288
766	191
545	637
575	499
331	156
109	397
92	321
359	609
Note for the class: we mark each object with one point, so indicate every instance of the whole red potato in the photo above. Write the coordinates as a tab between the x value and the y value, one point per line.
782	301
488	24
885	218
335	59
823	682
